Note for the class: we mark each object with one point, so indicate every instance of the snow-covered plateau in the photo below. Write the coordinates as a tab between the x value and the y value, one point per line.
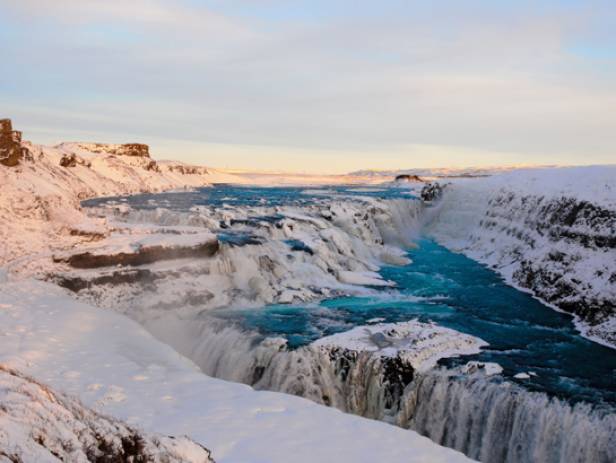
115	307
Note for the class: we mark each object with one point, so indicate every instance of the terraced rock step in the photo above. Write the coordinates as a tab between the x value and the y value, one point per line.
152	248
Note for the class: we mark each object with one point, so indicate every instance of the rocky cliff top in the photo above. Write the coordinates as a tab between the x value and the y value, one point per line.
124	149
11	151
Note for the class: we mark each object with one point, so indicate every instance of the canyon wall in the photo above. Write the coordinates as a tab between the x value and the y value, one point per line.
548	231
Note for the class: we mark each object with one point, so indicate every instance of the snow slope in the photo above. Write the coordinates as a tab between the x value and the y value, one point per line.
548	231
117	368
37	424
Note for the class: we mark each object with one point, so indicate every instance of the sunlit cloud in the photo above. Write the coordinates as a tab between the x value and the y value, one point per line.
482	79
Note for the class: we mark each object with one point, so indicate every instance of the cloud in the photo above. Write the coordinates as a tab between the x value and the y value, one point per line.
353	78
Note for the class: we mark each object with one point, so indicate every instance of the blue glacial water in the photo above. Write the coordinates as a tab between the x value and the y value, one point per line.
457	292
222	195
447	288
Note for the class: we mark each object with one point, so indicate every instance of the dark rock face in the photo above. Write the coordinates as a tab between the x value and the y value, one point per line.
11	151
152	166
133	149
142	256
59	428
72	160
126	149
431	192
144	277
408	178
68	160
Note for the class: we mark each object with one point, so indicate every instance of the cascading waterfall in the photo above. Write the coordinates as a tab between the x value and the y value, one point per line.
496	421
486	418
352	381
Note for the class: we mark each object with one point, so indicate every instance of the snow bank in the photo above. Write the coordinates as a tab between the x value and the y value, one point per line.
114	366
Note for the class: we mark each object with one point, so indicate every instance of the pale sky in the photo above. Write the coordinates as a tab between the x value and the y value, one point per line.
317	85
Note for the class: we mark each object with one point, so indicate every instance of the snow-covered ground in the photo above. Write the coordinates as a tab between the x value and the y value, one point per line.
114	366
548	231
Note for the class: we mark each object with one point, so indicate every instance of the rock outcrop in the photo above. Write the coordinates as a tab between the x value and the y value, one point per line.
141	255
431	192
125	149
37	424
72	160
408	178
11	151
187	170
134	149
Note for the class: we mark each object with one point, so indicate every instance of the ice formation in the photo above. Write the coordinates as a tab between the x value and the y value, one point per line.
263	255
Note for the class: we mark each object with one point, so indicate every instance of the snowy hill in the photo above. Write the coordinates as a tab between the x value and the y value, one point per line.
42	188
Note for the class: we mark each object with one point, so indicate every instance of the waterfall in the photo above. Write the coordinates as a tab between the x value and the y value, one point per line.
352	381
487	418
492	420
